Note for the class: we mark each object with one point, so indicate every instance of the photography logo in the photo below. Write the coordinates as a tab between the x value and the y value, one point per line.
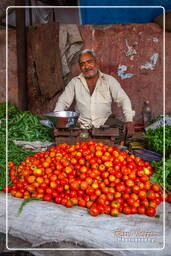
135	236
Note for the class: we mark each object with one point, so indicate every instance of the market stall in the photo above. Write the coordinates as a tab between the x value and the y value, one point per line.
85	151
54	222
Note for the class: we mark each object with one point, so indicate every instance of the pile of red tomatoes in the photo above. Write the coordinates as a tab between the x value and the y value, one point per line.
88	174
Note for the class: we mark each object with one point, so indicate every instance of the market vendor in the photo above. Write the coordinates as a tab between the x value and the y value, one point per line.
93	92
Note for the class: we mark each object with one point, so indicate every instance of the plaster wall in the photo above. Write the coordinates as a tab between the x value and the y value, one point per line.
132	53
12	67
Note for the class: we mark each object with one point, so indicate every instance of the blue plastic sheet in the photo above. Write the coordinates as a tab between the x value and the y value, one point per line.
127	15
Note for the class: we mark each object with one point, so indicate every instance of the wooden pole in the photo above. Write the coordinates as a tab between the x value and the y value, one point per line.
30	14
21	55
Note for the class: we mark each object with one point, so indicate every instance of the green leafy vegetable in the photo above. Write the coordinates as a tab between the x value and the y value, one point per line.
158	174
154	139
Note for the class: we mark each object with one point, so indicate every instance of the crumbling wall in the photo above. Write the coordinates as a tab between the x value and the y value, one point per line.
132	53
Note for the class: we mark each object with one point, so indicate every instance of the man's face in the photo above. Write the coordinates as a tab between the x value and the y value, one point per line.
88	66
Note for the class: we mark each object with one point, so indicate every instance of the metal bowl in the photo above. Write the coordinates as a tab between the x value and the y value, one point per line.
63	119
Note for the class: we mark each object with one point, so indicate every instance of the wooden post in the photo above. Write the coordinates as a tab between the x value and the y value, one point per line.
30	13
21	55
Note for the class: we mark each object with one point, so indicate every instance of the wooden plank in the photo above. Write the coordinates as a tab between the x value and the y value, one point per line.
21	56
105	132
74	140
45	49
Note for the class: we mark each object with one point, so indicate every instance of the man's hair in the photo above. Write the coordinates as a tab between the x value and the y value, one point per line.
88	51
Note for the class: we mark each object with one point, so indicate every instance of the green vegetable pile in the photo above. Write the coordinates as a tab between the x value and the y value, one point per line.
11	110
157	176
24	126
21	126
154	139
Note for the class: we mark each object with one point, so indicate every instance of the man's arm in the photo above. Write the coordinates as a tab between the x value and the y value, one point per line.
122	99
66	98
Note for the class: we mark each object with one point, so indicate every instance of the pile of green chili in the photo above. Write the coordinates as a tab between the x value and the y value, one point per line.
24	126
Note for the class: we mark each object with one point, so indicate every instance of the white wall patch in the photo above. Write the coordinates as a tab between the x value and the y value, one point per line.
155	39
151	64
121	72
130	50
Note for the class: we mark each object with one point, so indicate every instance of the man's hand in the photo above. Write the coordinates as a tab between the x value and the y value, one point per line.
130	128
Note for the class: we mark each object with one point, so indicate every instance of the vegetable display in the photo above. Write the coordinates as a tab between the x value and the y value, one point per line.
155	139
15	154
12	110
158	174
26	127
88	174
21	126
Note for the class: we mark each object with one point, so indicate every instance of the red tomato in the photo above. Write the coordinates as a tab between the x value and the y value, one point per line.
45	164
69	203
126	210
31	178
144	178
83	185
135	189
64	201
151	211
129	183
153	203
83	169
78	155
10	164
115	204
125	195
75	185
145	203
38	172
156	188
133	210
158	200
49	190
94	211
80	192
117	194
164	197
110	196
120	187
151	195
82	203
114	211
74	200
130	201
19	194
134	196
141	209
142	194
7	189
169	198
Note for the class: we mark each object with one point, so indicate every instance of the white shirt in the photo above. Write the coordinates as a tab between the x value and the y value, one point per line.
96	108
